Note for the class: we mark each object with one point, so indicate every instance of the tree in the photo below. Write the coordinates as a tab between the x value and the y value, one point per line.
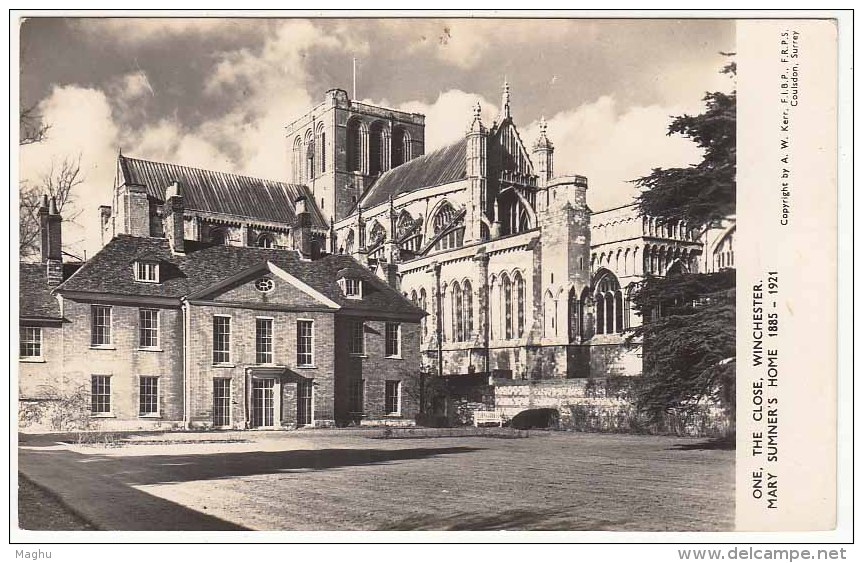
688	329
31	128
59	183
689	342
705	193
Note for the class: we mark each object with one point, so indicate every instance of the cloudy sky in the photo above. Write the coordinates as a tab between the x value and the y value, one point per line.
216	93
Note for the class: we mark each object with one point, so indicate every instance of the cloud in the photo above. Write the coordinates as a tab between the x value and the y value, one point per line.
81	125
448	117
611	147
136	31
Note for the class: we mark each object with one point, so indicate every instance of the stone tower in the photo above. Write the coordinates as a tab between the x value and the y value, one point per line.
476	168
340	147
543	156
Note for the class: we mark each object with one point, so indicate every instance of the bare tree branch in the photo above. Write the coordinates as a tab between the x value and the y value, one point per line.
31	127
58	182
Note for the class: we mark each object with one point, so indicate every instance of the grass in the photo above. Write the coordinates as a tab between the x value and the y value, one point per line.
560	481
38	509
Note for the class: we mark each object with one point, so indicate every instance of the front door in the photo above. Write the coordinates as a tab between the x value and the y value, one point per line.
263	407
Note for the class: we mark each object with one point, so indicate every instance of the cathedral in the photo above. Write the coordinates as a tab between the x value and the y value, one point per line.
519	279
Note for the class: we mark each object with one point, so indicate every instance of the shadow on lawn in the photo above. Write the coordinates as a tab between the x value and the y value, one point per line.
507	520
711	444
161	469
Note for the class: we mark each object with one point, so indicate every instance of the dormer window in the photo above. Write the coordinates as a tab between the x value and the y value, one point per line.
146	271
353	288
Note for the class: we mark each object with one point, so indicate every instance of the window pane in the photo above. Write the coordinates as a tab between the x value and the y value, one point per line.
101	325
305	343
149	395
31	341
221	340
357	338
100	394
392	339
391	398
264	341
148	328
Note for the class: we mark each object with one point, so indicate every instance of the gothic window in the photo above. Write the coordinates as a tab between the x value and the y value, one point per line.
354	148
519	300
609	304
506	287
377	235
443	222
573	310
349	242
422	305
309	156
320	149
457	326
468	310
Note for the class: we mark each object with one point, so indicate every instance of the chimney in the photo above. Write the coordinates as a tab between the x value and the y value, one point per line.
303	229
43	228
173	218
52	242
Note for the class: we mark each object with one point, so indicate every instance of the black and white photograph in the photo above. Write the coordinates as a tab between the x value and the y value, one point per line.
396	273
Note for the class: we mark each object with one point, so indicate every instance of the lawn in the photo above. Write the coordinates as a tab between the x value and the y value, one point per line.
330	480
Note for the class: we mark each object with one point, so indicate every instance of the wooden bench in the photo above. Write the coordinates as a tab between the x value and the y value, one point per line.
487	417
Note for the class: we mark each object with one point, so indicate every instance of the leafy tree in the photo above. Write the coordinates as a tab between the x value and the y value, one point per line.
688	330
702	194
688	339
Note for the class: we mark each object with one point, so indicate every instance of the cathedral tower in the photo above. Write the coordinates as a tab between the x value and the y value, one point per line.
340	147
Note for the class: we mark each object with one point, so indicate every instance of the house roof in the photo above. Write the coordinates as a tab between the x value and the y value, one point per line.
34	296
221	192
445	165
205	265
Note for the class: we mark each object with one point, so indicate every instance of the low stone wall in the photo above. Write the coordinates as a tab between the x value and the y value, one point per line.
600	405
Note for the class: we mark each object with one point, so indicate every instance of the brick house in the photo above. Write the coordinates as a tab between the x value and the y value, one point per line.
167	332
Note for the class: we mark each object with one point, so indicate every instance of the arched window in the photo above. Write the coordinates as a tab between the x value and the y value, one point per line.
377	235
467	292
609	304
443	223
309	155
321	149
354	148
519	301
265	240
506	287
572	314
457	312
422	304
349	242
297	160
